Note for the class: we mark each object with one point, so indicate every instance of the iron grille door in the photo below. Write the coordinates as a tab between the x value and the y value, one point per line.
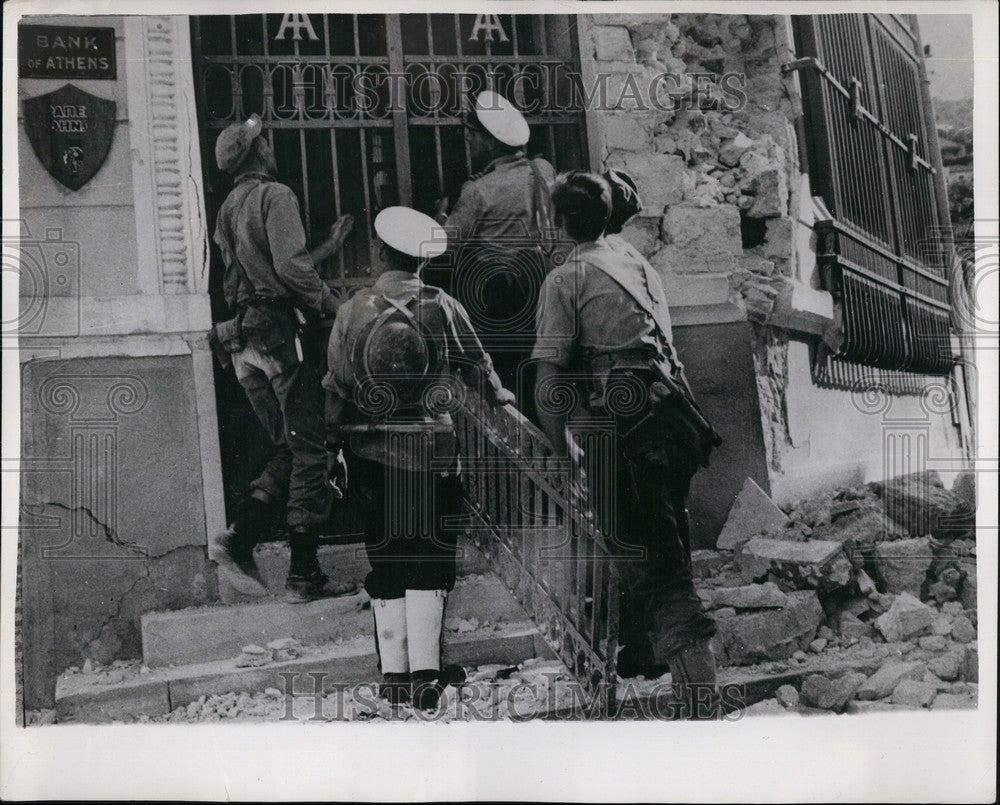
867	152
350	135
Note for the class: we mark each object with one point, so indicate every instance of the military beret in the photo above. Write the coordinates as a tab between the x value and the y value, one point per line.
500	118
625	201
410	232
234	143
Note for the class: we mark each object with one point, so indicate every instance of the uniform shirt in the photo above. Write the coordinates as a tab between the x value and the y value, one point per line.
584	314
461	350
259	226
499	203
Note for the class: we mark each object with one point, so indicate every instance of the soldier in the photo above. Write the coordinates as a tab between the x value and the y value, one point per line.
391	352
272	284
500	225
603	314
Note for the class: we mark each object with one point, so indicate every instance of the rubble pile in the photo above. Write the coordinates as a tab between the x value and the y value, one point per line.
827	582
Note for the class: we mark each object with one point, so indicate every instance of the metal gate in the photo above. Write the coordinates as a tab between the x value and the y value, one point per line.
364	111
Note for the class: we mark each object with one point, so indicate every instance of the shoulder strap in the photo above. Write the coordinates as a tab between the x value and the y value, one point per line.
542	205
641	299
225	227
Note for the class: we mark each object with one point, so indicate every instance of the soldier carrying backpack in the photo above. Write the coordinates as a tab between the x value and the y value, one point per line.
393	355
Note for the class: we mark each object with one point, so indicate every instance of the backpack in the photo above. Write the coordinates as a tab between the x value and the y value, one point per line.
396	356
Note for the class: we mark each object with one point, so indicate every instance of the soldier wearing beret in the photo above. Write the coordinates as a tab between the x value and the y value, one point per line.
272	286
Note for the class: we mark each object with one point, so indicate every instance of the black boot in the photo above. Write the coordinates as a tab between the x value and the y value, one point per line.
636	659
232	550
426	689
306	581
694	681
395	688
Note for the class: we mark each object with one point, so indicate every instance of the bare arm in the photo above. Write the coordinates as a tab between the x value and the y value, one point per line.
338	234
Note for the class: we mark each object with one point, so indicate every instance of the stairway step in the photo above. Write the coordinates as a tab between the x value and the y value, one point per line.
93	698
201	634
340	562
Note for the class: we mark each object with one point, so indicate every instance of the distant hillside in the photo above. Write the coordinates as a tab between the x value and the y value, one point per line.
953	114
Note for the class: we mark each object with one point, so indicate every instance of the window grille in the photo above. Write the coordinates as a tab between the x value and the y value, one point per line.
881	255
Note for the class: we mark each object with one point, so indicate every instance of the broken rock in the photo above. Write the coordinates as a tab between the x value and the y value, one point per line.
751	596
884	681
906	618
920	504
962	630
948	666
787	696
771	634
752	512
914	693
253	656
831	694
817	564
902	565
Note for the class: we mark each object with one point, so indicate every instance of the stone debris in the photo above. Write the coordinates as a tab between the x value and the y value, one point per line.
914	693
285	648
921	505
906	618
253	656
962	630
751	596
831	694
816	564
771	634
884	681
948	666
787	696
752	512
902	565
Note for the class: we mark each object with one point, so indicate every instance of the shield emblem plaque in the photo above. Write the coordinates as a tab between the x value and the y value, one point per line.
70	131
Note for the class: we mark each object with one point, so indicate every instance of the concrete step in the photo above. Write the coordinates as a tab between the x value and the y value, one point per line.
339	562
124	694
201	634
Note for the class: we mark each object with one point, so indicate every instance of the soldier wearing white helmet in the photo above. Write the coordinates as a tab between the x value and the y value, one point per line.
391	353
498	229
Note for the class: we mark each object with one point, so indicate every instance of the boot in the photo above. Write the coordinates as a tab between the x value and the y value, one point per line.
306	581
390	645
636	659
424	619
232	550
694	677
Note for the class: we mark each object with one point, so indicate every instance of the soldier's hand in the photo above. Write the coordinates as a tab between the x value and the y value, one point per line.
504	396
341	228
337	474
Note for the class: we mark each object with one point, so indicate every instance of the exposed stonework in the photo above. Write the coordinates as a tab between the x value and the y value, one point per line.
698	112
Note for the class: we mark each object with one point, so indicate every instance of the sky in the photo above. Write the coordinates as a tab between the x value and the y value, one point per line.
950	63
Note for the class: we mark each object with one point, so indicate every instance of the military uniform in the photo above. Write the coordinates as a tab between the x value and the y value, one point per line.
602	316
498	229
271	284
401	451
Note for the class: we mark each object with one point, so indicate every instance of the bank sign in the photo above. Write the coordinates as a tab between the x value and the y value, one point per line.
64	51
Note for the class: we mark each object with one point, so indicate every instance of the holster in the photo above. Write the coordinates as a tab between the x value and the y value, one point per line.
225	338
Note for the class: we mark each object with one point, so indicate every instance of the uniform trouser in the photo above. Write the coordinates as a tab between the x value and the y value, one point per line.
408	542
660	610
287	398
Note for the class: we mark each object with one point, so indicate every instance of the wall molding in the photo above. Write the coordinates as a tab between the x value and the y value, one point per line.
166	162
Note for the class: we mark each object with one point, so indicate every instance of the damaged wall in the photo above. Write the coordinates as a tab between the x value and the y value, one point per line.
712	149
728	225
120	475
